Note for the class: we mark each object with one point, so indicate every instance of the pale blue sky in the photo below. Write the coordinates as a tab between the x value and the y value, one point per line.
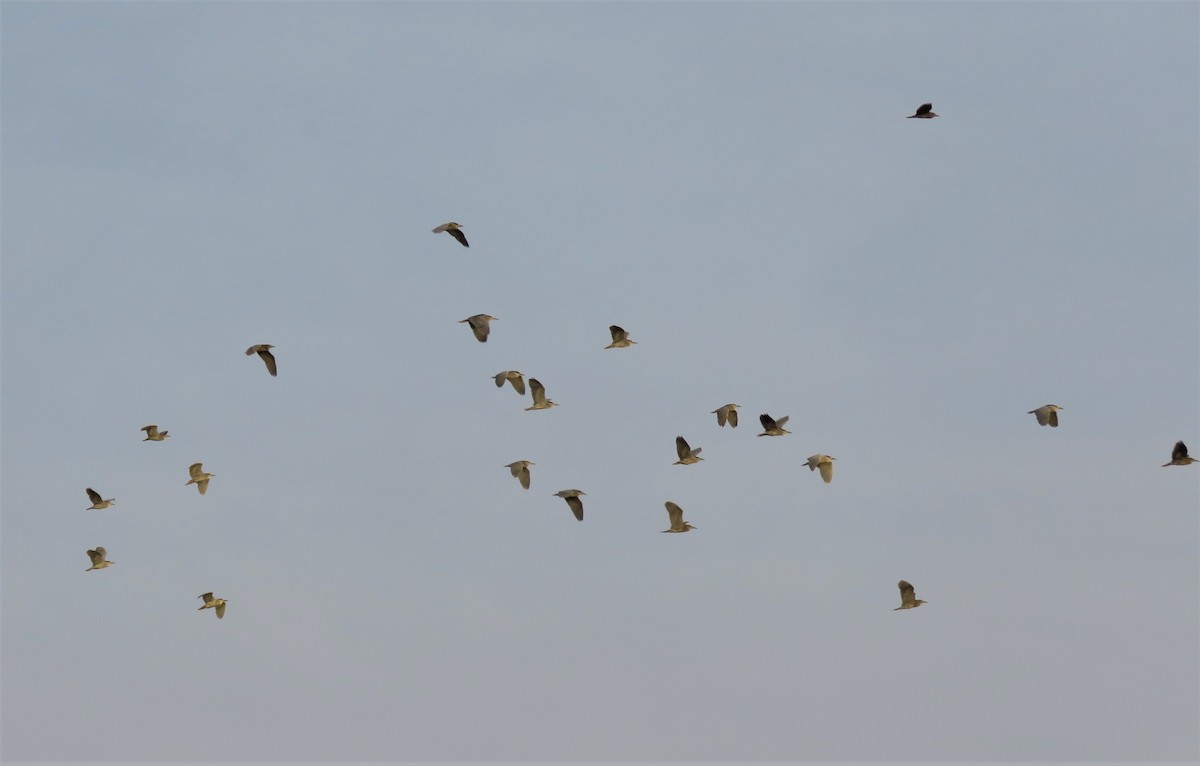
734	183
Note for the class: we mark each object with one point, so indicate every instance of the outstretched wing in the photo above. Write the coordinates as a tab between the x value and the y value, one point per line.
908	594
1180	451
94	496
675	514
732	418
196	469
617	333
457	234
537	391
576	506
681	448
269	360
768	423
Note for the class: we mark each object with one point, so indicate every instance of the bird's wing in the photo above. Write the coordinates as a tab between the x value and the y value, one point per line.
151	430
523	475
207	597
1179	451
269	359
202	485
537	390
576	506
481	328
220	611
94	496
96	556
681	447
826	471
195	469
617	333
926	109
457	234
518	383
782	421
253	349
768	423
675	514
721	416
733	418
500	378
908	594
1053	418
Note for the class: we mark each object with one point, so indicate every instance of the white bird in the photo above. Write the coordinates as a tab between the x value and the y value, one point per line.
824	462
454	230
264	353
908	597
675	514
512	376
213	603
728	413
573	501
97	501
538	392
1046	415
199	477
1179	456
620	338
520	471
98	557
772	427
153	434
479	326
687	455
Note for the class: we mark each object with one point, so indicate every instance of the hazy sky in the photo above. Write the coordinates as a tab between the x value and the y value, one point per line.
734	183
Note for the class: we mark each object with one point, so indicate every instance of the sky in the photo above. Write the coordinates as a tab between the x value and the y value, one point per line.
737	186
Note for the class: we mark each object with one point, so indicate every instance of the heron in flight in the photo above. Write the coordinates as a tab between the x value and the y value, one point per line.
687	455
153	434
924	112
538	392
520	471
823	462
573	501
727	414
908	597
513	377
264	353
620	338
213	603
1046	415
1179	456
675	514
199	477
97	501
479	325
99	558
454	230
772	427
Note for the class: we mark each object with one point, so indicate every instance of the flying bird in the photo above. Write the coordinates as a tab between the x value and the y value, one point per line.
772	427
479	326
687	455
908	597
153	434
98	557
97	501
1046	415
825	463
538	392
213	603
199	477
573	501
924	112
1179	456
264	353
620	338
675	514
454	230
512	376
727	414
520	471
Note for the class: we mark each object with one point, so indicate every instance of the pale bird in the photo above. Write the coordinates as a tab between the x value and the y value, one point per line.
97	501
520	471
99	559
454	230
908	597
264	353
727	414
620	338
479	326
772	427
675	514
538	392
573	501
1046	415
924	112
1179	456
199	477
512	376
687	455
823	462
213	603
153	434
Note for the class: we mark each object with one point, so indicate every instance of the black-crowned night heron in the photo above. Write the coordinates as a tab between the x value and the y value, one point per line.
153	434
97	501
99	558
573	501
686	454
512	376
199	477
675	514
727	414
772	427
1179	456
264	353
823	462
1047	414
520	471
908	597
213	603
479	326
538	392
454	230
924	112
620	338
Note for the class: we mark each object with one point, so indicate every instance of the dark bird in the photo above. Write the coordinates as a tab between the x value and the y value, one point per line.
512	376
687	455
1046	415
924	112
479	326
1179	456
728	413
98	557
620	338
97	501
454	230
538	392
573	501
520	471
772	427
264	353
675	514
908	597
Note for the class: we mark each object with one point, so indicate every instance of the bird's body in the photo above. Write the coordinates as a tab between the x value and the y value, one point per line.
538	392
520	471
772	427
199	477
454	230
1046	415
97	501
479	325
264	353
213	603
1179	456
675	514
573	501
99	558
908	597
512	376
824	463
727	414
687	455
153	434
924	112
620	338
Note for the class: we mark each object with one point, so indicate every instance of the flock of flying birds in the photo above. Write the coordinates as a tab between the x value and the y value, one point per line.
480	325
